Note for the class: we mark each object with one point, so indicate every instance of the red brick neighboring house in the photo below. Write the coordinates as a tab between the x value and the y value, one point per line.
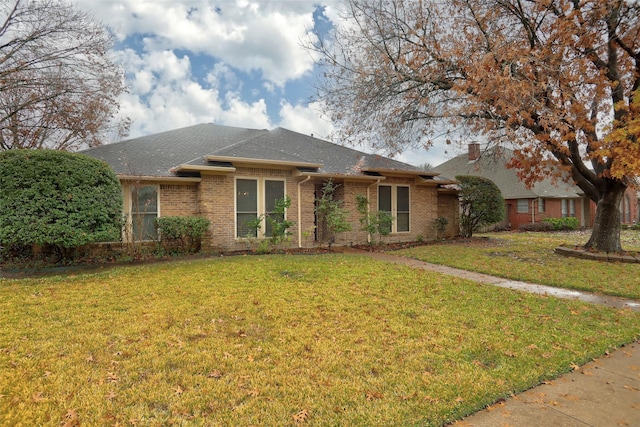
230	175
545	199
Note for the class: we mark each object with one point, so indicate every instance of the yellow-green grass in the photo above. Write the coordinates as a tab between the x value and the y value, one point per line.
281	340
530	257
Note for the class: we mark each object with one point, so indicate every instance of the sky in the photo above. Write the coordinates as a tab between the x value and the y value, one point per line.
230	62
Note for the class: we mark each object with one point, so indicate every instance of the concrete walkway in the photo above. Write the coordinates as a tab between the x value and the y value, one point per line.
602	393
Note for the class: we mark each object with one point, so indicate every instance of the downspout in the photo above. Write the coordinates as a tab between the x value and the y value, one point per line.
533	211
369	204
300	210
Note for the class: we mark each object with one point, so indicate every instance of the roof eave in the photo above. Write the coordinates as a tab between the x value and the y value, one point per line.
261	162
204	169
149	178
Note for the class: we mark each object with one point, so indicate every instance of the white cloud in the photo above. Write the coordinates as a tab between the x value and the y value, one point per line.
247	35
306	119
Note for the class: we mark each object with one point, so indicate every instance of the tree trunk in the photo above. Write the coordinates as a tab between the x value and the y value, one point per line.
605	236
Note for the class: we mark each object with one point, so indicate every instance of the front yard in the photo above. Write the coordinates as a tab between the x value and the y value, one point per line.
529	257
281	340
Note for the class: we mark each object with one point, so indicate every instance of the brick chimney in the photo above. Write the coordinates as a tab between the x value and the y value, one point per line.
474	151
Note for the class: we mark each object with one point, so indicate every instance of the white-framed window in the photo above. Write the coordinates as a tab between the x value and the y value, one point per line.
568	208
144	211
541	206
256	197
522	206
394	199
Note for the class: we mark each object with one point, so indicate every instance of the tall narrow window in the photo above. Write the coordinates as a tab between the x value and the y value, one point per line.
246	207
402	214
394	200
144	211
273	191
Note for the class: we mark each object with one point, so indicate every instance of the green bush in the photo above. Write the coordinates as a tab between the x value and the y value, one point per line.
187	231
559	224
58	200
481	203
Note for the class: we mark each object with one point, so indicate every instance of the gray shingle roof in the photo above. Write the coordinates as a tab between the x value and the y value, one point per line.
158	154
492	165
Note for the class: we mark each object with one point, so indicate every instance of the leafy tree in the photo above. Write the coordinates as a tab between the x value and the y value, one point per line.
58	199
481	203
554	78
58	84
332	217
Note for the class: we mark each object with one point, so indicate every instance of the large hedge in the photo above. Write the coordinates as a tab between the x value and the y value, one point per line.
57	199
481	203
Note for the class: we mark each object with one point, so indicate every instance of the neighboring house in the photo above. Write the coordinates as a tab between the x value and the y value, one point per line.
523	205
231	175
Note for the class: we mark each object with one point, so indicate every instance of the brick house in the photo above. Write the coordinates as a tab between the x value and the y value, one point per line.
546	199
231	175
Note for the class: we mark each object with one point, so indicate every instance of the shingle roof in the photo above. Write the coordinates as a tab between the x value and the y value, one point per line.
492	165
158	154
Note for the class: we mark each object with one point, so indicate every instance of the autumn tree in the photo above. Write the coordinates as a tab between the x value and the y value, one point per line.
58	85
552	78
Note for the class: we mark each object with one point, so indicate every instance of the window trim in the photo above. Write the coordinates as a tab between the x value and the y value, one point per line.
261	202
394	206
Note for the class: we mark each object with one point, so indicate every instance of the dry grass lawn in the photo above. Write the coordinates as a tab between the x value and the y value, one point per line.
281	340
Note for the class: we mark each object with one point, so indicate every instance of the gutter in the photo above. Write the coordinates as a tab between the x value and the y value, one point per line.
300	210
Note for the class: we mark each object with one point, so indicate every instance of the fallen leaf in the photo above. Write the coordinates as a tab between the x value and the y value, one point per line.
178	390
71	419
215	374
373	395
575	367
301	416
628	387
37	397
253	393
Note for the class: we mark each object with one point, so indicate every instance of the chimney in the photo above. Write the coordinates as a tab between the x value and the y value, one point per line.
474	151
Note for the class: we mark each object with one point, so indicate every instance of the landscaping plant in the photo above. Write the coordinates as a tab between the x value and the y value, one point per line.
57	200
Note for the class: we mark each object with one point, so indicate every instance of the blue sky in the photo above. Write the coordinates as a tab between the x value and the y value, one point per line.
231	62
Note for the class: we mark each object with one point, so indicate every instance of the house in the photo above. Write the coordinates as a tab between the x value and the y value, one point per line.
546	199
232	175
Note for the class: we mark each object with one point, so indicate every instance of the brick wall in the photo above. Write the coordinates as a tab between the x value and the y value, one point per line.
214	198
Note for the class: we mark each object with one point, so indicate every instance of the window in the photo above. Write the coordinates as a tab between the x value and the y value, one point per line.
395	201
568	208
144	211
522	206
256	198
541	205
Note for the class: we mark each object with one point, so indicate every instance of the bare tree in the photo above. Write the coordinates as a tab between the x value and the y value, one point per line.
58	85
556	78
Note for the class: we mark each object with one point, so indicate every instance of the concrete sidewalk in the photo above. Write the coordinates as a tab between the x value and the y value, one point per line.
602	393
605	392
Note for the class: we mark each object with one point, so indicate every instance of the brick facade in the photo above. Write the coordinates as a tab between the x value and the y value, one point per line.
213	197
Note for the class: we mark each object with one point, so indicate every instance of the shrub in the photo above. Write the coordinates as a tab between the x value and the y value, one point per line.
537	226
481	203
332	216
558	224
187	231
57	199
377	222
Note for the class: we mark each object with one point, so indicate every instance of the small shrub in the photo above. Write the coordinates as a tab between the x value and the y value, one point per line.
560	224
187	231
538	226
332	216
377	222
